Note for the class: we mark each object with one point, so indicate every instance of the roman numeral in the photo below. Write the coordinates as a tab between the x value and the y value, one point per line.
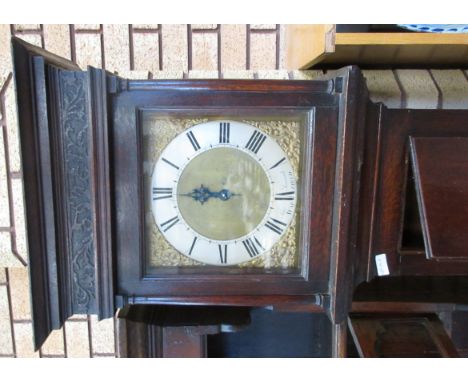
250	247
193	245
255	142
277	163
193	141
170	223
170	163
224	132
259	244
162	193
223	256
273	224
285	195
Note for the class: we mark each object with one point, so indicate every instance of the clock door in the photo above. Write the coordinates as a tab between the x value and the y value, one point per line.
70	261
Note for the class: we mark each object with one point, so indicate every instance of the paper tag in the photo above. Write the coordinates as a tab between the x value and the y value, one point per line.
382	265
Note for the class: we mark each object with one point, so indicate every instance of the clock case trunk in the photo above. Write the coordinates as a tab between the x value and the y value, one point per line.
81	163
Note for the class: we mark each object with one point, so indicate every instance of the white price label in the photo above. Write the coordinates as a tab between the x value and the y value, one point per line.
382	265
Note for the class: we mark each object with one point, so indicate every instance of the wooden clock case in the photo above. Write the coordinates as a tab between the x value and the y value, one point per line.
82	178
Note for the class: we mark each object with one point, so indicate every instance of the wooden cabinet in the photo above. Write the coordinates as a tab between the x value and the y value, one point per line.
439	169
416	215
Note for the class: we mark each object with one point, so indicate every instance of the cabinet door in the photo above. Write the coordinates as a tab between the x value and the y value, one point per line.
440	168
419	213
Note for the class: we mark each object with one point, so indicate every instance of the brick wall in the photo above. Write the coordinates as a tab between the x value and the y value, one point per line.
152	51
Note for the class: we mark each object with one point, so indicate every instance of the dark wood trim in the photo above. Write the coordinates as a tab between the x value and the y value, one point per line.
314	304
27	50
32	112
371	167
339	339
401	307
350	148
47	190
318	203
261	86
101	192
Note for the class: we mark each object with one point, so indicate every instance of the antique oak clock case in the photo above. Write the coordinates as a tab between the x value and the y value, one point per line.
296	104
313	108
91	142
233	193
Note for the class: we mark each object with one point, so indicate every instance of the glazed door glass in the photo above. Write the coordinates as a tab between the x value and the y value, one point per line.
223	191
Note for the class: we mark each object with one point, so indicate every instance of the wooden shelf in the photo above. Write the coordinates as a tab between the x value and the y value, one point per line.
317	46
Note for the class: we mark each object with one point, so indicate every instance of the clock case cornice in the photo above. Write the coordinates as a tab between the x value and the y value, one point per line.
72	181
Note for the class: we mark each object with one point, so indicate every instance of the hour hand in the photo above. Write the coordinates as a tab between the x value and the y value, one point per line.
202	194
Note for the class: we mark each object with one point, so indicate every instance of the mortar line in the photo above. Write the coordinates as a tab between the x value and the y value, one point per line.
247	47
72	42
10	308
465	74
253	30
6	148
103	55
22	321
201	30
88	31
146	30
440	96
218	29
90	337
189	47
160	49
105	355
131	47
403	96
278	45
64	335
41	26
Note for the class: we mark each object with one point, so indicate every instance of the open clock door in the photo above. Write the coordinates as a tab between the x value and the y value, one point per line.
58	132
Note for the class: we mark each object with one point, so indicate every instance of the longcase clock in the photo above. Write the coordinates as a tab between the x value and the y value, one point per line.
238	193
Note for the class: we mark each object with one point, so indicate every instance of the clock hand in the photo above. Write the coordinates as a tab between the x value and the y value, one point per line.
203	194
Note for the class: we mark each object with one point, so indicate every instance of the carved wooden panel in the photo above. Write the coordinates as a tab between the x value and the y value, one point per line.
76	187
